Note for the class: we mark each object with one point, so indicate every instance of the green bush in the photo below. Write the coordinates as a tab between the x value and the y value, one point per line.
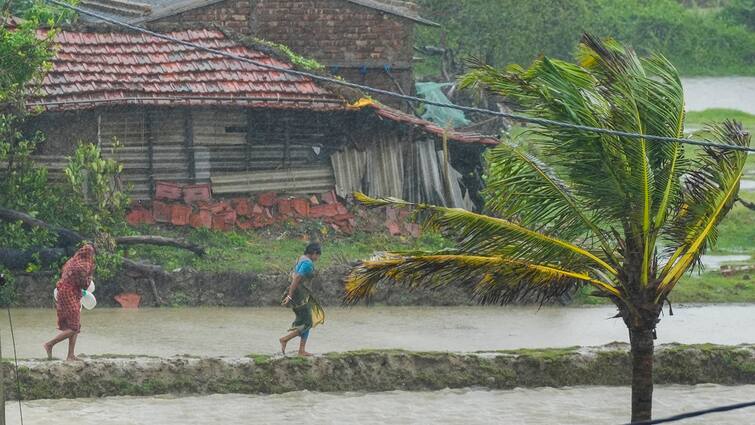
513	31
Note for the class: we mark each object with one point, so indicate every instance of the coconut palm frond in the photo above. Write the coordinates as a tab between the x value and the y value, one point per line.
520	185
709	193
478	234
490	279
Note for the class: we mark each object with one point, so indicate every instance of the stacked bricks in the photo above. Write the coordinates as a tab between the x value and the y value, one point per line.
193	206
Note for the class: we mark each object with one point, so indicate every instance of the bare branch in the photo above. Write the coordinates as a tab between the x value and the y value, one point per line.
161	241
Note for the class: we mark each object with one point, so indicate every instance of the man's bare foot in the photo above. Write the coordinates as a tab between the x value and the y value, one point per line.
72	359
305	354
283	345
48	349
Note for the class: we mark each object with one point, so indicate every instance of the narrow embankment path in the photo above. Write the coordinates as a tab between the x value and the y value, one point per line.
369	371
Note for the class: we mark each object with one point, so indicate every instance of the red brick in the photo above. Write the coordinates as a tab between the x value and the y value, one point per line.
267	199
161	212
341	209
220	207
313	200
223	220
393	228
180	215
246	224
168	191
284	207
243	207
324	210
413	229
391	213
128	300
202	219
257	210
301	207
197	192
329	197
139	216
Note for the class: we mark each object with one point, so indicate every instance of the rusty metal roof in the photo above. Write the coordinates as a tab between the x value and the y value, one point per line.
395	115
92	68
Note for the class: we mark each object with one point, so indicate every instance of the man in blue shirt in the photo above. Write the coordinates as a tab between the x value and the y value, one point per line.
299	297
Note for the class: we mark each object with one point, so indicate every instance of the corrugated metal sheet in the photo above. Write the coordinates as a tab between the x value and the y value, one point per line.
376	171
292	181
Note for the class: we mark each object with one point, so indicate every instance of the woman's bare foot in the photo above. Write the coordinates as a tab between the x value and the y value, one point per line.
305	354
72	359
283	345
48	349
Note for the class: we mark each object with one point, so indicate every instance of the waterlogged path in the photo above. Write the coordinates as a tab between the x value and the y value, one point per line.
235	332
546	406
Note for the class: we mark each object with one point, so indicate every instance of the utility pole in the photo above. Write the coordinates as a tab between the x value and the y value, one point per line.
2	371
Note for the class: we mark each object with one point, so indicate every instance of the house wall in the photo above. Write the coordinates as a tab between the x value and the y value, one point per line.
353	41
196	145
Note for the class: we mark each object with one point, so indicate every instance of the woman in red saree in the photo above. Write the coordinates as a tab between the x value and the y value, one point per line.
76	275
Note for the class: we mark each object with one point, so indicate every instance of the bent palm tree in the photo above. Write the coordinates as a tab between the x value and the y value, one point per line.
594	210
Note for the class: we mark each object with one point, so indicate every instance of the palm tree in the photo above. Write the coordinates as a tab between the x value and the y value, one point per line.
627	217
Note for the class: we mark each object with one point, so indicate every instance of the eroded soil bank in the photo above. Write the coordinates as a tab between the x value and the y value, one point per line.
192	288
375	371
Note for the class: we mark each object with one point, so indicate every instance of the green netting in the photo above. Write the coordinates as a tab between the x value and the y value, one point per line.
443	116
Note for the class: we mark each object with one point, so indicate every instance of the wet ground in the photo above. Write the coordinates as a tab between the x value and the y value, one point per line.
238	331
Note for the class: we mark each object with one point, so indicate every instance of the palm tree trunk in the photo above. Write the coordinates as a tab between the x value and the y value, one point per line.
642	373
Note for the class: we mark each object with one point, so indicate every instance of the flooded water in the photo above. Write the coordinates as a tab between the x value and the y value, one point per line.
579	405
714	262
720	92
236	332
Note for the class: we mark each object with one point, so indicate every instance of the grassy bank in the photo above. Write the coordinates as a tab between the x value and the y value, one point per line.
261	252
697	119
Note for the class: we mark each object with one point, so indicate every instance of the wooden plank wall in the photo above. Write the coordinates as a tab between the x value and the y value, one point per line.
183	145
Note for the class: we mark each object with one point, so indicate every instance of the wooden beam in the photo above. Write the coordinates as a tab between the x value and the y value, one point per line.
150	150
189	143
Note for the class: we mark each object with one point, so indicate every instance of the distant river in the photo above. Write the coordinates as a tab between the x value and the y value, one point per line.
720	92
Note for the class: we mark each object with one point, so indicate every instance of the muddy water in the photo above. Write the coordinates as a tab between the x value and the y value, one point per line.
580	405
239	331
720	92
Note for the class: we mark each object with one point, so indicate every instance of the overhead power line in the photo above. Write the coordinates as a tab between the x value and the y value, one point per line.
514	117
696	414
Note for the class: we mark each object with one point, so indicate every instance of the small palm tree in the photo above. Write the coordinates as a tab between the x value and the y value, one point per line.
627	217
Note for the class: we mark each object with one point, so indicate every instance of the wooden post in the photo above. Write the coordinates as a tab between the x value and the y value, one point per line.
287	148
2	389
150	150
249	138
189	144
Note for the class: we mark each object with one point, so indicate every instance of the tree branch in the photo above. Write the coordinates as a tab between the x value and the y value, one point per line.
750	205
161	241
72	237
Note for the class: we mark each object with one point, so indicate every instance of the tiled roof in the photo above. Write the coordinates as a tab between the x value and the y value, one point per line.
128	68
92	68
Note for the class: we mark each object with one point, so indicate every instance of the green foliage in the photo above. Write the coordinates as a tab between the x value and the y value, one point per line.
95	181
89	201
512	31
740	12
286	52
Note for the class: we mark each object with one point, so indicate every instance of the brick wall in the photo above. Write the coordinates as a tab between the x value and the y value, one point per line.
335	32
